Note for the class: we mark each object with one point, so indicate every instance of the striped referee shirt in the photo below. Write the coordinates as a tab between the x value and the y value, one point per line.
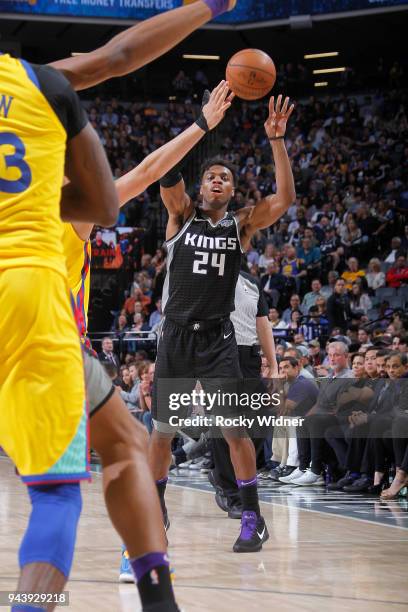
250	303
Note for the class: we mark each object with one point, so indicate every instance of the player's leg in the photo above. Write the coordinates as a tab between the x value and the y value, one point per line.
132	501
174	361
42	358
47	549
220	353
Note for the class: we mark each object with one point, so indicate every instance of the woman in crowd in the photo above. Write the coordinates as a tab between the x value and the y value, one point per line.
275	320
360	303
375	278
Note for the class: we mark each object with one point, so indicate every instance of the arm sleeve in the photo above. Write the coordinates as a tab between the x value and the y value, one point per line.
263	309
62	98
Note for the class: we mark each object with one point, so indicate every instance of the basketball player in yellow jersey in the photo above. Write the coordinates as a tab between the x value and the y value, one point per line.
42	413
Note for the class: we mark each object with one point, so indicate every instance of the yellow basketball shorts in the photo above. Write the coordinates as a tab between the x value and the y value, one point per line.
43	420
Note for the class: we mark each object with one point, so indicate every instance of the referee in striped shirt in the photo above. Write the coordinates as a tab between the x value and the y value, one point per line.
253	332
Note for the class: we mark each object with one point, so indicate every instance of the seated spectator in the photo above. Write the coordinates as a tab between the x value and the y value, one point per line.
391	258
267	257
328	289
316	354
273	284
331	249
359	300
125	381
350	235
321	304
310	298
275	320
398	274
363	336
157	315
294	304
131	398
375	278
145	394
293	267
400	343
310	256
352	273
295	320
314	325
121	324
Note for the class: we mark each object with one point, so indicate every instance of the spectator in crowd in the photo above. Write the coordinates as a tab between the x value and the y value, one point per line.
275	320
107	353
267	257
310	298
375	277
310	256
294	304
398	274
131	397
328	289
353	272
360	303
125	381
391	258
292	267
157	315
145	394
338	307
273	284
350	235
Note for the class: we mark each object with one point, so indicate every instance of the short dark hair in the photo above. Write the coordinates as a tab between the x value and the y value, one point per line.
293	362
218	161
357	355
383	352
403	357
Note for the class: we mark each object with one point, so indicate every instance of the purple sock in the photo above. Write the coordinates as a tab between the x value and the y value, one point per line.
248	491
142	565
162	481
247	483
217	7
152	573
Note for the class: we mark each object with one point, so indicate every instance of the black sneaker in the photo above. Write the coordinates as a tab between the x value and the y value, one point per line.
207	466
221	500
276	473
360	485
347	480
253	533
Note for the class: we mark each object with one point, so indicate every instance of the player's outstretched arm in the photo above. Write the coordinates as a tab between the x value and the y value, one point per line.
141	44
158	163
90	196
271	208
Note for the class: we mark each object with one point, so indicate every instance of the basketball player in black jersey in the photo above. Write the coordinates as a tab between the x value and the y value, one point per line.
197	341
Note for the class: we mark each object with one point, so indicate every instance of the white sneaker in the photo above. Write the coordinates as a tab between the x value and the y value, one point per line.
185	464
309	479
293	476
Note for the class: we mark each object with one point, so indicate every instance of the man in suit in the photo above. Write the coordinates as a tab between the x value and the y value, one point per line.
273	284
107	354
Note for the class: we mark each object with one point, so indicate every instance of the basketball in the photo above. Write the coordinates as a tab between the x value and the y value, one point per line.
251	74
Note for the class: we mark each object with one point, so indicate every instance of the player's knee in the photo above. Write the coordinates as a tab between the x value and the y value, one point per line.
51	532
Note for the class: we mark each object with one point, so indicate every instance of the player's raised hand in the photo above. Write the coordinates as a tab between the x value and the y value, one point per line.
275	125
218	102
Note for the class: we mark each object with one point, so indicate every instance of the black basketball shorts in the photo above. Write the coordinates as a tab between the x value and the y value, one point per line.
185	357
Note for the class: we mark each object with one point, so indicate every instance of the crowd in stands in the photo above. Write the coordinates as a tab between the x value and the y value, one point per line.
334	268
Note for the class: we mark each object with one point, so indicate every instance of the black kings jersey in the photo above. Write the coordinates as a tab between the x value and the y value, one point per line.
203	262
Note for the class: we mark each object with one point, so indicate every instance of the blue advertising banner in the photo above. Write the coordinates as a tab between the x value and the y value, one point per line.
246	11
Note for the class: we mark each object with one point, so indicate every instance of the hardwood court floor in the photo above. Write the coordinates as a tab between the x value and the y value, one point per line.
312	561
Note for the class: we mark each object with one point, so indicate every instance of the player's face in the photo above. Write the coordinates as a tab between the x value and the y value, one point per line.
217	187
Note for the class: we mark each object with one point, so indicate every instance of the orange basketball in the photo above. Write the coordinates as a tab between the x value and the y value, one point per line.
251	74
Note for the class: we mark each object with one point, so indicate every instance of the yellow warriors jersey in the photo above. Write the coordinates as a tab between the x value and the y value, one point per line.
78	259
32	152
43	421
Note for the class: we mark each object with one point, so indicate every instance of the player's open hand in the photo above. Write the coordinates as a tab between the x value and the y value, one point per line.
275	125
219	101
